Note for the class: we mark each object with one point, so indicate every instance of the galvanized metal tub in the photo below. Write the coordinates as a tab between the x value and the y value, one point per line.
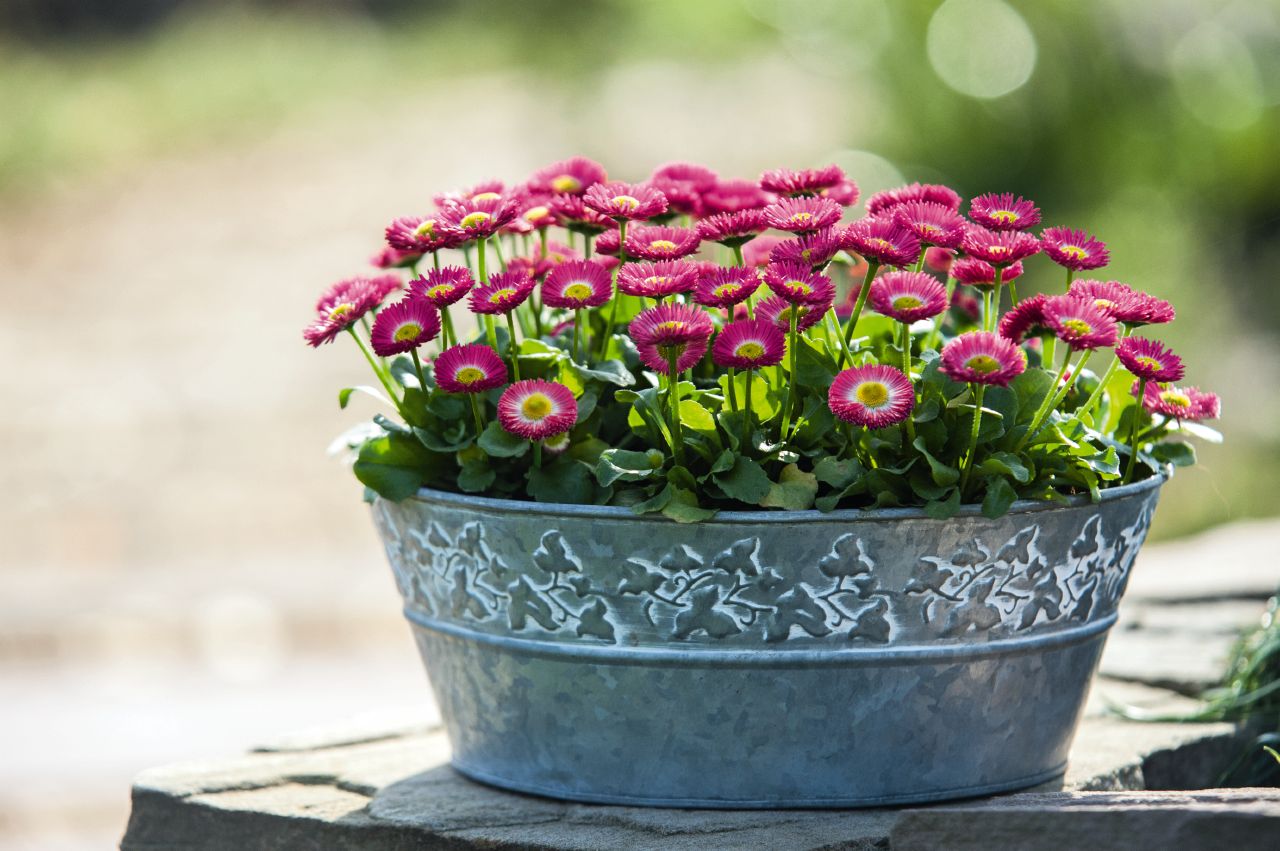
763	659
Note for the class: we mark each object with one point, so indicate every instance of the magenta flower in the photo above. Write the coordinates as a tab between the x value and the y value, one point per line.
932	224
470	368
1003	211
749	344
778	310
1149	360
394	258
844	193
421	234
940	259
814	250
1181	403
573	214
732	229
1079	323
535	409
535	213
682	198
577	284
1074	249
933	193
478	219
809	181
908	296
405	325
981	357
999	248
882	241
875	396
1026	319
757	251
1123	303
679	331
625	201
341	306
608	243
444	286
503	293
657	280
731	196
573	176
486	190
698	176
661	242
725	287
799	284
980	273
802	215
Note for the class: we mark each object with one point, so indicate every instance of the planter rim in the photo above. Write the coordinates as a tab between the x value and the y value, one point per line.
812	515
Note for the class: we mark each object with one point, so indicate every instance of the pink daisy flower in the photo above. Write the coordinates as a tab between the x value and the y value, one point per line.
932	224
503	293
374	290
671	330
802	215
939	259
730	196
1026	319
573	176
757	251
882	241
571	213
478	219
1079	323
535	409
844	193
394	258
535	213
799	284
1123	303
405	325
1074	249
608	243
486	190
778	310
749	344
875	396
421	234
444	286
908	296
657	280
1150	360
980	357
732	228
698	176
725	287
661	242
999	248
811	249
933	193
470	368
1181	403
682	198
980	273
341	306
577	284
625	201
1002	211
809	181
967	304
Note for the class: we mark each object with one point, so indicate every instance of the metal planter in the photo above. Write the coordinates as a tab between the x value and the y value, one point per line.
763	659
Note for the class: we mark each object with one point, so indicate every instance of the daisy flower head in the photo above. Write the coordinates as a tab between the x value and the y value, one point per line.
577	284
757	252
932	223
778	310
502	293
1002	211
808	181
1074	249
469	368
698	176
571	213
1026	319
535	213
908	296
682	198
1145	309
802	215
478	217
999	248
679	331
394	258
625	201
981	357
980	273
1150	360
845	193
557	253
608	243
1123	303
882	240
1105	295
732	229
657	280
749	344
814	249
420	234
930	192
374	290
1181	403
730	196
939	259
573	176
485	190
875	396
444	286
1080	323
661	242
405	325
725	286
342	305
799	284
535	409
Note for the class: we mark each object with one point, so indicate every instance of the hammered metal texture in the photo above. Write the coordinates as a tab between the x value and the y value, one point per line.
763	659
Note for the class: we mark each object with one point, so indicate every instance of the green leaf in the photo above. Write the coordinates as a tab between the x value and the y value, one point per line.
500	443
944	508
1177	453
1000	495
794	490
610	372
839	473
654	503
1005	464
625	465
746	481
683	507
696	417
724	461
476	477
1030	388
396	465
564	480
454	439
344	395
943	474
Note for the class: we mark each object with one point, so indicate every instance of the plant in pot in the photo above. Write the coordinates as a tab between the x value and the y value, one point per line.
729	502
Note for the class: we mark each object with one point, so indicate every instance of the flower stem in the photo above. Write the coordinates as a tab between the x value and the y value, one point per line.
1106	379
542	243
446	326
1046	405
833	331
737	256
988	310
906	349
746	413
979	391
1133	432
490	330
935	333
475	412
537	454
733	391
793	356
377	370
511	346
577	331
613	309
417	366
673	401
497	249
865	291
1071	275
435	259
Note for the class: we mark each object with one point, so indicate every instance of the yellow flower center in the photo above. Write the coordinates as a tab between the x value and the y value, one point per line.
475	219
872	394
984	364
485	196
502	295
663	246
1005	216
798	287
750	350
726	290
906	302
566	183
427	229
625	202
340	311
407	331
578	291
927	229
673	326
1077	326
998	251
1150	362
880	243
1176	397
536	407
800	218
440	291
1103	303
1074	251
469	375
536	213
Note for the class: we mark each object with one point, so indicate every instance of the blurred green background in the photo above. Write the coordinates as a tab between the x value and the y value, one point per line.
178	180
